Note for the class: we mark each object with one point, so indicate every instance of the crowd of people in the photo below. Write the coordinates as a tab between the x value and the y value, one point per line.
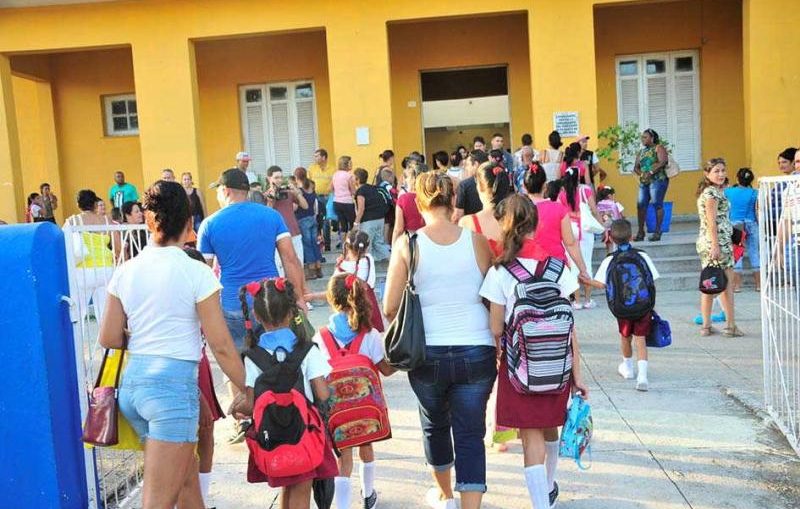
475	232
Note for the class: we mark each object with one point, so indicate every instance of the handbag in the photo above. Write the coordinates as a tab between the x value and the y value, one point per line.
101	425
713	279
660	332
589	223
76	244
672	169
330	212
405	338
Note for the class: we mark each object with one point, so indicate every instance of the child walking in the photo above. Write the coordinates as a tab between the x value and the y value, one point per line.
274	305
609	210
628	275
349	324
535	411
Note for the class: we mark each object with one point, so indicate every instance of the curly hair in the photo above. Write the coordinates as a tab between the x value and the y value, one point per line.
168	204
705	183
518	217
87	199
272	307
353	300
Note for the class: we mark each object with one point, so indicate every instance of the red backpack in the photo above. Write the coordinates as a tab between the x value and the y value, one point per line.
288	434
358	411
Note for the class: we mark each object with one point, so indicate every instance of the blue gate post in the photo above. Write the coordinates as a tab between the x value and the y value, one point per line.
41	456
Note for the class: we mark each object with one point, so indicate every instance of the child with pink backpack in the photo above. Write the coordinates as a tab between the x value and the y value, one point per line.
358	414
609	210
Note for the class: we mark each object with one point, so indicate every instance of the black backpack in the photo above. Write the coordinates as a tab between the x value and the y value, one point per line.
630	288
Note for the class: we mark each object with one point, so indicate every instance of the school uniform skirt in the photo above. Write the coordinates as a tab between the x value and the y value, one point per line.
528	411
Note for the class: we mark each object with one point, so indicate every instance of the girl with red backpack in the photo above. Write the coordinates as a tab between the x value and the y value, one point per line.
285	381
358	410
532	393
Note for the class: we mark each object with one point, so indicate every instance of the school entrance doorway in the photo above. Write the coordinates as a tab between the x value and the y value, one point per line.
460	104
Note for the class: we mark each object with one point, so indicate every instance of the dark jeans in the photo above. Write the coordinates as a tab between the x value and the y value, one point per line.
347	216
308	229
323	223
452	390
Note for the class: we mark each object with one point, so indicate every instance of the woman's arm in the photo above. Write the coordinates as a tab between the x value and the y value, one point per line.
497	321
385	368
711	230
663	158
112	329
219	339
483	255
399	224
359	208
396	277
351	184
637	165
299	198
572	247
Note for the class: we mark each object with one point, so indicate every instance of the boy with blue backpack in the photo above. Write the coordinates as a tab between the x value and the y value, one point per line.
628	276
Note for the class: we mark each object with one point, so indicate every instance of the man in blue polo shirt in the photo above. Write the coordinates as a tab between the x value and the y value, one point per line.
243	237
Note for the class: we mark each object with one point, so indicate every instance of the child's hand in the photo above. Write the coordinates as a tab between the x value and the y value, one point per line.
578	387
240	408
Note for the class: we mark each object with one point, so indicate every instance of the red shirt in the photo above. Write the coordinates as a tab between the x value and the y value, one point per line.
411	216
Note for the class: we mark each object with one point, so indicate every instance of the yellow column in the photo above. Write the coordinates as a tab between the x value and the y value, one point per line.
12	196
166	96
771	81
358	72
562	64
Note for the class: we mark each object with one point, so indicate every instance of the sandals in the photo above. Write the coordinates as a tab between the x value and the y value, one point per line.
639	237
732	332
708	331
655	237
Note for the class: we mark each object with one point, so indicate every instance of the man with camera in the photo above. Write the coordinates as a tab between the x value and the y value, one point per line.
284	196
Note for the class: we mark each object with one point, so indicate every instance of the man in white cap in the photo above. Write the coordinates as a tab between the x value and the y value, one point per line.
243	163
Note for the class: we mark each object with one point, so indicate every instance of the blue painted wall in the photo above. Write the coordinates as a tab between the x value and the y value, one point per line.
41	455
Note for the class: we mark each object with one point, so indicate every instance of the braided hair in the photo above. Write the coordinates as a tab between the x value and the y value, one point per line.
274	303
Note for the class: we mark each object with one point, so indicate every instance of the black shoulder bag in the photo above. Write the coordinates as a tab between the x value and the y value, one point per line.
405	337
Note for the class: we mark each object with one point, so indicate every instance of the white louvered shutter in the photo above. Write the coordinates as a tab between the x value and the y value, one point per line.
279	122
629	102
685	140
657	101
306	133
254	127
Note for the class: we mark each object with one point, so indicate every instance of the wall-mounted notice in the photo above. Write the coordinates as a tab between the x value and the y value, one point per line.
566	123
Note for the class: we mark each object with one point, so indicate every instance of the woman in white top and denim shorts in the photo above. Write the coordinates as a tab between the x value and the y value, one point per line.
158	301
453	386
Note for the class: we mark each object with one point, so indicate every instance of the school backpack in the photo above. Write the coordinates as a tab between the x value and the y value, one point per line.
358	413
289	433
538	337
630	288
576	434
386	194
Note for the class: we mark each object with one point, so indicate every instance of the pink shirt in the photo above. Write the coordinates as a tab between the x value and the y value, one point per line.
548	229
341	187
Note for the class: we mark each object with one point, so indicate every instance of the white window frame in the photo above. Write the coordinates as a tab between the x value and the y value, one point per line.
266	105
669	57
109	116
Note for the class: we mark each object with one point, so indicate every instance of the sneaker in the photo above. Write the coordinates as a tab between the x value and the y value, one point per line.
625	371
719	317
309	306
554	496
590	304
577	305
371	502
433	500
642	384
239	430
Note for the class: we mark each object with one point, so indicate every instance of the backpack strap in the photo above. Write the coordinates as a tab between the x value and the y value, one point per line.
516	269
333	346
477	224
550	269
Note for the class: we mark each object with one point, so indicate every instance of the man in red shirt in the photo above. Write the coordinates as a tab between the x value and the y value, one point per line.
283	196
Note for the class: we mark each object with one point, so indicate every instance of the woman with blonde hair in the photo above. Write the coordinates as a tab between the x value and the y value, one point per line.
344	189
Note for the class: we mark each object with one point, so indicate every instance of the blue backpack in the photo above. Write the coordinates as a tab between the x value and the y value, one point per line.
630	288
660	333
576	435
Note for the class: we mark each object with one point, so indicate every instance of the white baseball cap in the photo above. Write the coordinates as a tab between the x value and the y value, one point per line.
242	156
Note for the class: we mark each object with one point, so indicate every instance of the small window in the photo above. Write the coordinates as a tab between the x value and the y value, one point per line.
684	64
121	114
277	93
628	68
656	67
304	91
253	95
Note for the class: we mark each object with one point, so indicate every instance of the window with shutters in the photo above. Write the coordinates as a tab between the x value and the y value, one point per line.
121	115
279	125
662	92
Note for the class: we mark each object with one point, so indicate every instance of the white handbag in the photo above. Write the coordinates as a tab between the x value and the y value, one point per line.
75	239
673	169
589	223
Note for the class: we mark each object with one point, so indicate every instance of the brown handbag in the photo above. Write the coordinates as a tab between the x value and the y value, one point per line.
100	427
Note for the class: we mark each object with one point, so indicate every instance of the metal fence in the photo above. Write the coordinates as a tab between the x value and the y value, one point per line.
93	253
779	221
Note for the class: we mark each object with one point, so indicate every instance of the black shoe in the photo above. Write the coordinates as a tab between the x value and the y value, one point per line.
554	496
371	502
655	237
639	237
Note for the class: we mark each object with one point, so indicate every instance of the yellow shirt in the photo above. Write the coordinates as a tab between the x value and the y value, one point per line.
322	178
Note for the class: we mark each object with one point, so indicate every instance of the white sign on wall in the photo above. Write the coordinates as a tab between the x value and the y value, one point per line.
566	123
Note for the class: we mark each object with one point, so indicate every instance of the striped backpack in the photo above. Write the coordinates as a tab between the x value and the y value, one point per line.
538	336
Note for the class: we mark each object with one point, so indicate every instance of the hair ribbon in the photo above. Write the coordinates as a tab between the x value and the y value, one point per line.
349	281
280	284
497	170
533	168
253	288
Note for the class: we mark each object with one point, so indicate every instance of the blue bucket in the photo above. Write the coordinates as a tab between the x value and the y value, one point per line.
651	217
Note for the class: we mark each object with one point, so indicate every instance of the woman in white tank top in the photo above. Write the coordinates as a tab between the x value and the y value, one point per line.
460	366
552	156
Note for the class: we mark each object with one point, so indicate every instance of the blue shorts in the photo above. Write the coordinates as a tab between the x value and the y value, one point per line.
160	398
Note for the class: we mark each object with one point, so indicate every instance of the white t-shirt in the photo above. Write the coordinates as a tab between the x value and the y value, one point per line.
313	366
36	211
160	290
499	285
366	269
371	346
602	270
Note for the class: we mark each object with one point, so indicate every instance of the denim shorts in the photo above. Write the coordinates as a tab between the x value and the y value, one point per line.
452	390
654	193
751	245
160	398
235	322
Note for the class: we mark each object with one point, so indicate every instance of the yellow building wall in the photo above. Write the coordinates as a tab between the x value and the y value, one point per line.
224	65
449	44
714	27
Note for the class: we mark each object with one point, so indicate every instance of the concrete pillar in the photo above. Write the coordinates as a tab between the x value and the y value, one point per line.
12	196
358	72
166	96
562	64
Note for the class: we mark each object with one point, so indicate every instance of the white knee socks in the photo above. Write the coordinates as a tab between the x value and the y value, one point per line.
367	478
205	484
343	494
536	479
551	463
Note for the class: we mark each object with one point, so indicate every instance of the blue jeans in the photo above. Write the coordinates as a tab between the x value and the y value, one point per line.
654	193
160	398
235	322
751	245
308	229
377	244
452	390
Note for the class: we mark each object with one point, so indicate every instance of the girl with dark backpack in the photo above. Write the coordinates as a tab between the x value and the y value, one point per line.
285	380
358	410
532	394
